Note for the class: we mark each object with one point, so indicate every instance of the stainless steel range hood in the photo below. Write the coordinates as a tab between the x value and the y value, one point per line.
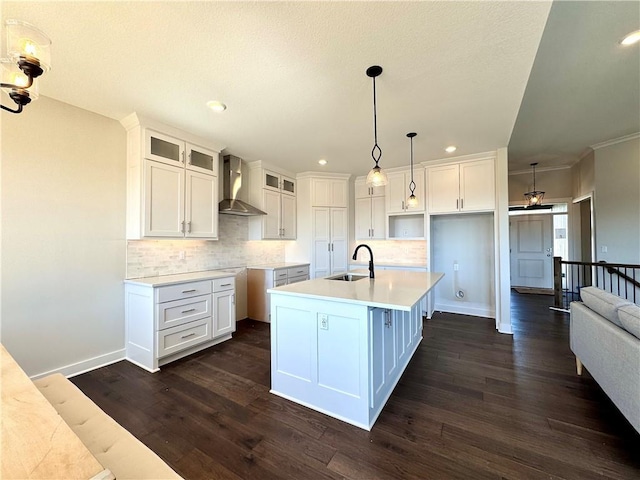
232	181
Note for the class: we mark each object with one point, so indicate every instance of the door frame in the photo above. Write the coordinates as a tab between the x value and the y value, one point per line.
576	206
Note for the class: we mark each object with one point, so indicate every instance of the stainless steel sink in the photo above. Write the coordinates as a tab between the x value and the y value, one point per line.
348	277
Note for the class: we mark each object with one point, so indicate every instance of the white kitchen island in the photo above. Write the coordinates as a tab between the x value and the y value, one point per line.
340	347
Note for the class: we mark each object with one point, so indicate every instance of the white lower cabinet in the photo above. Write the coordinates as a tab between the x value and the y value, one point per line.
167	322
262	277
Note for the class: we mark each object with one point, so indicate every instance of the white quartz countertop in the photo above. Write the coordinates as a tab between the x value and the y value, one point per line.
394	289
179	278
276	266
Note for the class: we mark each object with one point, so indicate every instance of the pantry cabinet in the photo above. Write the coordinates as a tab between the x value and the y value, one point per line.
323	223
172	182
461	187
274	192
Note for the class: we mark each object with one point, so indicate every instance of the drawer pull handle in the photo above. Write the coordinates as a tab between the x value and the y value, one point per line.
189	291
192	334
225	285
190	310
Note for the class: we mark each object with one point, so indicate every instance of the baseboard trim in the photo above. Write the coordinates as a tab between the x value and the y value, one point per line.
85	365
474	311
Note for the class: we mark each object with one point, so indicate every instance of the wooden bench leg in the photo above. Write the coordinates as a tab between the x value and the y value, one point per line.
578	366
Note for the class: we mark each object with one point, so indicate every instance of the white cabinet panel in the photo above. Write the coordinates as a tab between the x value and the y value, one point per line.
330	241
201	214
398	191
224	315
164	197
271	221
288	220
275	194
464	187
172	185
329	192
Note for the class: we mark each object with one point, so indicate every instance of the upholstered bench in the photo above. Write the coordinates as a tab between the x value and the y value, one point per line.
112	445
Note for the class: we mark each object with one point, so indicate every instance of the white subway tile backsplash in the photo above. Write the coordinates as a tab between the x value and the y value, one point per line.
149	258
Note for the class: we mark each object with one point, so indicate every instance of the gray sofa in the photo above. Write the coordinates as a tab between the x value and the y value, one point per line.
605	337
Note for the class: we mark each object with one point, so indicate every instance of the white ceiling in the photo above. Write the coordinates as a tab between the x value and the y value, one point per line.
293	73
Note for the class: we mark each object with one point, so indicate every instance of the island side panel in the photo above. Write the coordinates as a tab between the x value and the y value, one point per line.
320	356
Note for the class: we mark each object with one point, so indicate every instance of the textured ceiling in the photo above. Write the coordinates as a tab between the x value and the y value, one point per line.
293	73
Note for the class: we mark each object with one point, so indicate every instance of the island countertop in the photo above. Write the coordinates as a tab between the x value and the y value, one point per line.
394	289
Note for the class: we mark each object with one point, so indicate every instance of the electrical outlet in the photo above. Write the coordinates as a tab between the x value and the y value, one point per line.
456	267
182	255
604	249
323	320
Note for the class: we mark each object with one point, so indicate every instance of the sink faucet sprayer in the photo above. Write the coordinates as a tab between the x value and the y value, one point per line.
355	255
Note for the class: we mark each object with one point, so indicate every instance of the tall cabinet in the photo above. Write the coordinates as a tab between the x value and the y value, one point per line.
172	182
273	191
323	223
369	211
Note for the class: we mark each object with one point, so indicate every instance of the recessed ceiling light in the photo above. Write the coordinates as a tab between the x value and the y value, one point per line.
633	37
216	106
322	162
450	149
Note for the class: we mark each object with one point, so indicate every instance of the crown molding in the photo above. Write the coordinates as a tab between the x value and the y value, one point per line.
615	141
459	159
538	170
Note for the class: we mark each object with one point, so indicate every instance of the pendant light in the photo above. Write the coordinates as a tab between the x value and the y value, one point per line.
376	176
412	201
534	197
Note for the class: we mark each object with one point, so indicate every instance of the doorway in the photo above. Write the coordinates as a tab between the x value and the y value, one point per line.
531	251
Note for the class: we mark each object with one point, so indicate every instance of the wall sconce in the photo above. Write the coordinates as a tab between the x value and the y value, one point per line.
534	197
29	56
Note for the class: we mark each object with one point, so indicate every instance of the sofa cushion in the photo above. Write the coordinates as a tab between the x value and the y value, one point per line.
604	303
629	316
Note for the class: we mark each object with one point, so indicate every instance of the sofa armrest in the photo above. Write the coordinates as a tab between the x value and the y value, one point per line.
109	442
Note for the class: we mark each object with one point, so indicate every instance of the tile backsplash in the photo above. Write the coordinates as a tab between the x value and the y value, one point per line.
149	258
407	252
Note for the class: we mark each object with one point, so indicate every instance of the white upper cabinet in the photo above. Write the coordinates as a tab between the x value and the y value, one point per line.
273	192
398	192
369	211
329	192
461	187
172	184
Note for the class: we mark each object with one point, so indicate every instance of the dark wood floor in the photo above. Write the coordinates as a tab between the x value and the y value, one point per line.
472	404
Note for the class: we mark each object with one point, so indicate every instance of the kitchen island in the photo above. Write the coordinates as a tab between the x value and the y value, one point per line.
340	346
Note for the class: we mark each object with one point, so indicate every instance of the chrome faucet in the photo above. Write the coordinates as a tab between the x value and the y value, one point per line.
355	255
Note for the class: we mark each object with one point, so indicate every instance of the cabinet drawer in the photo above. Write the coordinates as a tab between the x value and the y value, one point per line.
298	271
226	283
178	338
178	312
183	290
299	278
279	275
280	282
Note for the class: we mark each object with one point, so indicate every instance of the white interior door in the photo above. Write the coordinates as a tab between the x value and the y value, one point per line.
531	251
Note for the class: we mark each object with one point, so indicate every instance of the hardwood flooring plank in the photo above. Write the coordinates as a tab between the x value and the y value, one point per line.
472	404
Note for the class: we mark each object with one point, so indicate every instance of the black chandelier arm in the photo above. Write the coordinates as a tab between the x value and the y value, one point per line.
18	87
18	110
412	186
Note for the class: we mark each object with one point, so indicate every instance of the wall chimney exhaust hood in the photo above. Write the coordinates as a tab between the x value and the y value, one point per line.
232	181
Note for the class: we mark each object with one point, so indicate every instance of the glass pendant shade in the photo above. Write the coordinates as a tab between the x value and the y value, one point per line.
28	44
376	177
10	73
412	201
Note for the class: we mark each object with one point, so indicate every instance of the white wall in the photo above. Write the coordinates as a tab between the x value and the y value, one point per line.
617	202
557	183
63	230
465	240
